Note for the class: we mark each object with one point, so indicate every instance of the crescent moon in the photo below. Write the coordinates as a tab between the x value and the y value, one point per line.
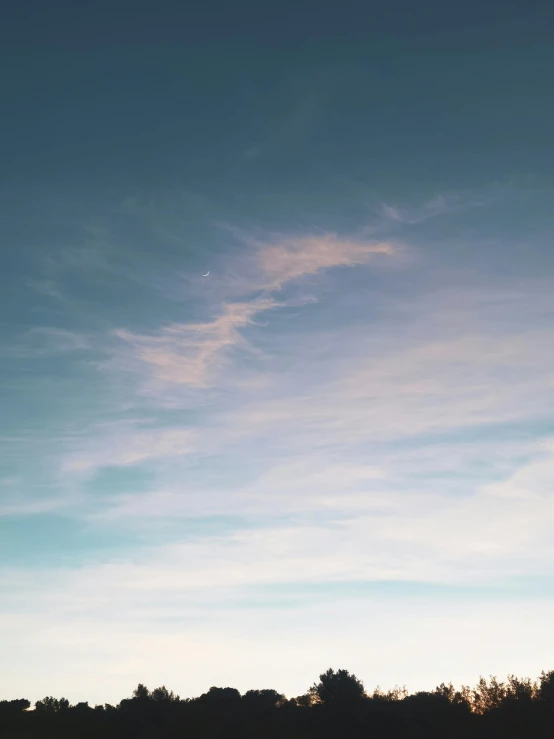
207	273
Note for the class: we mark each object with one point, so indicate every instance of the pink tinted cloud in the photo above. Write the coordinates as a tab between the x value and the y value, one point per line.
184	353
297	256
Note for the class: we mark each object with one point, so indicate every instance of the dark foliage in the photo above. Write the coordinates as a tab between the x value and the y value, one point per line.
336	706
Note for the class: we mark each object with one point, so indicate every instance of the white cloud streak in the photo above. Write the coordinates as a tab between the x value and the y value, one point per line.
439	205
121	445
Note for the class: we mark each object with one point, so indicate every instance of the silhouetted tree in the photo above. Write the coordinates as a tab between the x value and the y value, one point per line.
141	692
546	686
220	695
163	695
336	706
263	699
395	694
488	695
14	707
338	687
51	705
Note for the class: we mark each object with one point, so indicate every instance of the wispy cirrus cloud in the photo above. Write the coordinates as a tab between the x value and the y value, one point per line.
44	341
49	288
186	353
189	353
482	537
127	444
433	386
292	258
439	205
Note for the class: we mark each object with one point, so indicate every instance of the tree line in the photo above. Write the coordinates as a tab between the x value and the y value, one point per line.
336	706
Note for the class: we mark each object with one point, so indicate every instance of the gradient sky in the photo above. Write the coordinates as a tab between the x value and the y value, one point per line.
338	448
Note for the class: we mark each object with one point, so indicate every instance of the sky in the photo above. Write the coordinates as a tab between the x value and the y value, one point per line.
336	449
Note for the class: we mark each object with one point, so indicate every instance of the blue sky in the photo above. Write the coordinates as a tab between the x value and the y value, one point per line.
337	448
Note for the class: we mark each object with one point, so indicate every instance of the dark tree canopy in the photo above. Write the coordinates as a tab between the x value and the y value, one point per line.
163	695
263	699
220	695
334	707
51	705
337	687
141	692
